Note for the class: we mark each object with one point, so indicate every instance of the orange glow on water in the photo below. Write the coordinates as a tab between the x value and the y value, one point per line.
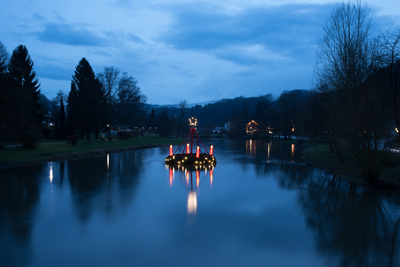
293	152
171	176
197	178
211	176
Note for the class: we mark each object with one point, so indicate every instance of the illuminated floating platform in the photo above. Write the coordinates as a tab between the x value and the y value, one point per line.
189	158
205	160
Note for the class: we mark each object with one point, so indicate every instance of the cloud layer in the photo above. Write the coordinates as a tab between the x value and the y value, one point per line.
197	50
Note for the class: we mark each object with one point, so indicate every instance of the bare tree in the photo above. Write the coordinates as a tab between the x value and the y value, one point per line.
182	107
130	102
389	59
346	61
110	80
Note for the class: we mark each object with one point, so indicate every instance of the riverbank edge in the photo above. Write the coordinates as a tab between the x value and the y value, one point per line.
343	171
73	155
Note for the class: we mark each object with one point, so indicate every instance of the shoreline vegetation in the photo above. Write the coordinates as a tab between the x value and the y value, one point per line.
320	156
18	156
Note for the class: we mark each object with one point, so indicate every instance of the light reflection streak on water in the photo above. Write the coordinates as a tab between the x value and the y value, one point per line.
171	176
292	154
108	161
192	202
268	150
51	172
192	180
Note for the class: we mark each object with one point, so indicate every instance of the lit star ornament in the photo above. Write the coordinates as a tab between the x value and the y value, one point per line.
192	121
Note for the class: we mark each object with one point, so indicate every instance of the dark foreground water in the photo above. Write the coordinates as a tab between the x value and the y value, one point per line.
127	209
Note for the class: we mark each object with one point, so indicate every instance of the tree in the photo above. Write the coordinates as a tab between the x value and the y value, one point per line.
166	125
27	89
109	78
7	100
89	102
262	114
130	102
152	120
182	107
346	60
73	110
389	63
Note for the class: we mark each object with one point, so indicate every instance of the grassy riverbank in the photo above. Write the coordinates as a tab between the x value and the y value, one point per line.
322	157
60	150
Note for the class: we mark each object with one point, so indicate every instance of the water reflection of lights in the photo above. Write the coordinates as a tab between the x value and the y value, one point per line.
192	177
293	146
251	146
108	161
51	172
192	202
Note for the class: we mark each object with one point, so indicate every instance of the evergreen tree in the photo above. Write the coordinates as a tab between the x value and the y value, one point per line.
6	100
73	110
152	121
26	87
89	103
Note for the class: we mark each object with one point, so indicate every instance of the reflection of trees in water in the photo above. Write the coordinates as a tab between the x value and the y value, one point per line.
97	181
19	195
355	226
287	176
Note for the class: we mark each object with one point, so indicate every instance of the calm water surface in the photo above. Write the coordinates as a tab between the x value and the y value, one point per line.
128	209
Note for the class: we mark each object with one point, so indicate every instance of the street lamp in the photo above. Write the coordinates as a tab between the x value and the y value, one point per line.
108	131
52	128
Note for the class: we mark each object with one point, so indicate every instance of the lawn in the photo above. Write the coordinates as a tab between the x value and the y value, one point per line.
48	150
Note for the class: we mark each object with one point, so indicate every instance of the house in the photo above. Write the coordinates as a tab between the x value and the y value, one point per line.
252	127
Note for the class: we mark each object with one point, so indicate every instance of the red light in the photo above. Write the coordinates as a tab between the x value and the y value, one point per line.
211	150
198	152
187	149
171	152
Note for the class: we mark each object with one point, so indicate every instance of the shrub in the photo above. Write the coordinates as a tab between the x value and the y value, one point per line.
29	139
124	135
73	139
46	131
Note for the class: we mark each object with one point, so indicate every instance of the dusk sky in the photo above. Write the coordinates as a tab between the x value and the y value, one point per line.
197	50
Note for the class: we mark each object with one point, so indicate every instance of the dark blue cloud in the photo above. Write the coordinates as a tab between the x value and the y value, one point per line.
63	33
289	30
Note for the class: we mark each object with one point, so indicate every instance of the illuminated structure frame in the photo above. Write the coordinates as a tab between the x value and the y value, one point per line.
187	157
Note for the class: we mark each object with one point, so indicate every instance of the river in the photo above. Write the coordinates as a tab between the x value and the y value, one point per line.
260	206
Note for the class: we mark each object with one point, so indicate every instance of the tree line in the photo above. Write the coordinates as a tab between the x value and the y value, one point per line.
94	104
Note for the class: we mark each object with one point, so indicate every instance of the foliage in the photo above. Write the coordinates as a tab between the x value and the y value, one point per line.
124	135
355	111
130	102
73	139
87	101
46	131
20	108
166	125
